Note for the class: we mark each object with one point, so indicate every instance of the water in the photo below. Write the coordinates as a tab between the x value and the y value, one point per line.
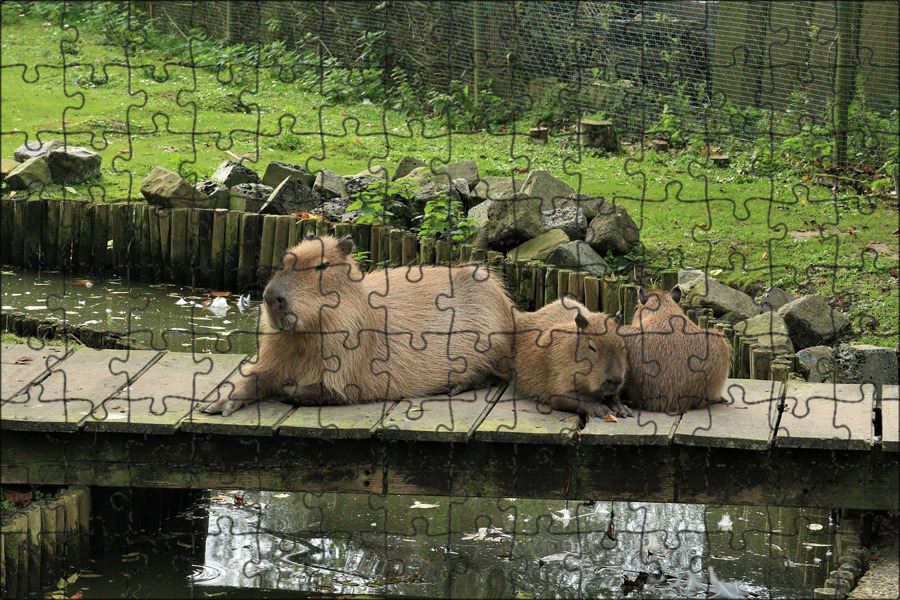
160	316
277	544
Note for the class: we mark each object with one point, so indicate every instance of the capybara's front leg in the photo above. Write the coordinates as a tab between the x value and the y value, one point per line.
247	390
578	404
315	395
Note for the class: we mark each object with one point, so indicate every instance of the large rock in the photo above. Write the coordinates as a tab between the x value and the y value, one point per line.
360	182
769	331
406	166
249	197
334	210
612	230
217	191
31	172
549	189
578	256
816	363
700	290
231	174
291	196
774	298
588	204
168	189
466	169
812	322
570	219
34	149
330	185
539	248
277	171
73	164
866	364
7	166
495	188
504	224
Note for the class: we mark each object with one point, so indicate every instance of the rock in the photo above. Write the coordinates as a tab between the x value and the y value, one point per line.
462	188
249	197
769	331
73	164
360	182
687	276
706	291
539	248
495	188
7	166
866	364
231	174
215	190
578	256
276	172
549	189
812	322
589	205
504	224
32	171
466	169
291	196
330	185
334	210
406	166
168	189
816	363
612	230
570	219
34	148
774	298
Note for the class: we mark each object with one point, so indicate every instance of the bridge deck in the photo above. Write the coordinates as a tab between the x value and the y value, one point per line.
128	418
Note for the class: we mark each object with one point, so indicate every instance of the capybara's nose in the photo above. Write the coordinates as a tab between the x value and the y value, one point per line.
274	300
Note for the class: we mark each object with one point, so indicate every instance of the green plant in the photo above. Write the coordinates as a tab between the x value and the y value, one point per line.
376	205
460	106
811	144
443	218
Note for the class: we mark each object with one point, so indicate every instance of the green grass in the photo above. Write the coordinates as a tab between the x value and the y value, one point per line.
751	228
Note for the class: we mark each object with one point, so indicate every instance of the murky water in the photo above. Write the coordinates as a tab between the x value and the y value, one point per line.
162	316
277	544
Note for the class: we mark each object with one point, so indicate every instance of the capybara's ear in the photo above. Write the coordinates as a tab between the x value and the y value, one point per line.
580	321
345	245
642	296
310	236
618	316
675	294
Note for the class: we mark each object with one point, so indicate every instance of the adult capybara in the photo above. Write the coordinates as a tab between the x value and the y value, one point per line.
569	358
332	336
673	365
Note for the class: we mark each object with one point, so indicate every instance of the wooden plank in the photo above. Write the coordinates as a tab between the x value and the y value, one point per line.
826	416
143	253
165	243
248	254
164	394
281	241
335	422
121	235
217	249
295	232
32	234
644	429
178	254
266	248
15	376
515	419
439	418
396	247
232	240
99	237
592	293
203	268
156	257
196	267
890	418
50	234
745	420
74	388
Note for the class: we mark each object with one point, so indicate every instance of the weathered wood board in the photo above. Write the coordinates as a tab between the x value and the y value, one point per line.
826	415
17	371
645	428
439	418
337	422
515	419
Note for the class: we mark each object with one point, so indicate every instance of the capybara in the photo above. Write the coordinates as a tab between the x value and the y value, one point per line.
673	365
333	336
569	358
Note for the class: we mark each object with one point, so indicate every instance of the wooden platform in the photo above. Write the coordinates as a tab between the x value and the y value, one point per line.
127	418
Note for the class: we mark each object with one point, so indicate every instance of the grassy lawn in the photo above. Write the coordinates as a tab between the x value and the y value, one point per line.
754	223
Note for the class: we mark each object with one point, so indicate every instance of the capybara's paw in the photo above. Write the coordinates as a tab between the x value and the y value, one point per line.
599	410
226	406
619	409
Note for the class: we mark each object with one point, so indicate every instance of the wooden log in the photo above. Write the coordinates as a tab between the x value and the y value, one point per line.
178	252
84	517
295	232
551	285
537	276
18	230
576	285
426	251
629	298
609	296
496	260
15	561
232	249
265	266
309	226
562	282
71	219
193	248
99	238
323	228
155	243
747	348
410	245
669	280
85	237
7	230
760	359
525	285
780	369
248	255
217	249
396	240
341	230
33	521
465	253
592	293
203	263
145	250
593	133
72	549
48	541
479	255
362	239
32	234
443	252
49	235
120	237
281	244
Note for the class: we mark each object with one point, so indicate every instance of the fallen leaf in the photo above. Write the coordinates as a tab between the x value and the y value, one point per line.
18	498
238	501
125	151
611	417
24	360
222	294
81	282
765	255
71	190
76	596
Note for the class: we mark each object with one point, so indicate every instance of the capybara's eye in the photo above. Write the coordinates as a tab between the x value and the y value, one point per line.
322	266
592	346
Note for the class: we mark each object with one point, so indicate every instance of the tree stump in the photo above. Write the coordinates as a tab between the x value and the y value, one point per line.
540	135
598	134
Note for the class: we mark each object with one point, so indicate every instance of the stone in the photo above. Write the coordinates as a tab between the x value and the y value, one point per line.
32	171
276	172
6	167
34	148
812	322
570	219
687	276
462	188
291	196
612	230
334	210
816	363
231	174
406	166
707	292
578	256
774	298
217	191
249	197
539	248
504	224
466	169
769	331
495	188
549	189
168	189
360	182
865	363
589	205
330	185
73	164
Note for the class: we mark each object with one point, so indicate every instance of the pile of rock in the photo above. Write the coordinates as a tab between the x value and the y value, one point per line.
42	163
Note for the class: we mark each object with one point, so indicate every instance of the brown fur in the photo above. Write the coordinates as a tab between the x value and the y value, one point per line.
344	338
569	358
673	365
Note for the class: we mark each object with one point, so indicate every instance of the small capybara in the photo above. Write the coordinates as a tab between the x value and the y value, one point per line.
570	358
673	365
332	336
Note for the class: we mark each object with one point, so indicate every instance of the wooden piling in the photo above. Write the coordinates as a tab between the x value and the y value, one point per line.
323	228
396	241
427	251
33	549
341	230
155	243
231	250
248	254
217	249
99	238
592	293
443	252
524	286
478	255
760	360
538	274
49	235
309	226
628	301
576	285
145	252
18	232
295	232
179	264
362	239
267	241
465	253
32	234
551	285
7	230
609	296
408	254
194	267
281	242
118	235
669	280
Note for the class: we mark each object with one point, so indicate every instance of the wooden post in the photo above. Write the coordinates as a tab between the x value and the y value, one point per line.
309	227
760	359
396	238
496	260
145	253
69	221
443	252
165	243
576	285
204	262
341	230
410	245
32	234
465	253
295	232
50	238
669	280
72	550
33	520
48	541
231	249
538	275
362	239
281	242
609	297
524	286
193	266
100	238
178	254
217	249
85	237
747	348
592	293
7	230
551	285
629	299
264	270
323	228
248	257
155	243
780	369
18	232
15	563
479	255
118	225
562	282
